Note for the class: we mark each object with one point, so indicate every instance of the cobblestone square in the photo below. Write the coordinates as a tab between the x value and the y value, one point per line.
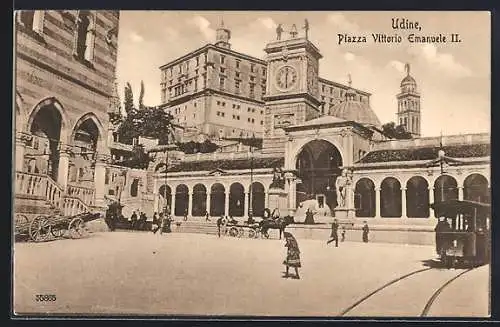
194	274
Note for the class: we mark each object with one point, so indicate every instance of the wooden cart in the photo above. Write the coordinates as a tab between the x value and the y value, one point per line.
42	228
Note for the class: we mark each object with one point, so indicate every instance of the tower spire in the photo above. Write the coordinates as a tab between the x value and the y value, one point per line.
407	69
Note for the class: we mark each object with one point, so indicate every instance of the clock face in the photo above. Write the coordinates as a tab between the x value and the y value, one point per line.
286	78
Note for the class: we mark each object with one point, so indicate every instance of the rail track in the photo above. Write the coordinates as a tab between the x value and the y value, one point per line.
414	302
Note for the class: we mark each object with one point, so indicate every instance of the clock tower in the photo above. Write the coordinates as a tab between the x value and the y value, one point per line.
292	90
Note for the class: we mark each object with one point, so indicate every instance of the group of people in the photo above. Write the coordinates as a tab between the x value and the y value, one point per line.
334	237
138	222
162	223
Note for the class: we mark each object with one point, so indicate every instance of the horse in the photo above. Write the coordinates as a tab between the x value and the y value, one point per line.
113	213
277	223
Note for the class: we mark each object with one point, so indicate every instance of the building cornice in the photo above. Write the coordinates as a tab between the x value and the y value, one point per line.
323	80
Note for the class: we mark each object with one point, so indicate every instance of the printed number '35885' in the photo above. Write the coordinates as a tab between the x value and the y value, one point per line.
45	297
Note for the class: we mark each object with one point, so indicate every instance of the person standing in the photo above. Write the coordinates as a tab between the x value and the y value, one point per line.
220	222
133	220
342	234
186	215
366	230
207	215
162	222
309	217
156	224
292	255
334	236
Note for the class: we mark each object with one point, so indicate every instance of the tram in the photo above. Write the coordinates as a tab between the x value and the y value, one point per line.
463	232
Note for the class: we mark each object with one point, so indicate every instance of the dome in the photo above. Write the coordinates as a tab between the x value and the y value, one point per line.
408	80
355	111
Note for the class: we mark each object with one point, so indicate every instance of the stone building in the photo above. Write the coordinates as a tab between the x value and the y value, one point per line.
312	144
220	92
65	64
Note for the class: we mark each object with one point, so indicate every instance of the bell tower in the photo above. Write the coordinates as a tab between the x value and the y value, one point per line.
223	35
292	89
409	104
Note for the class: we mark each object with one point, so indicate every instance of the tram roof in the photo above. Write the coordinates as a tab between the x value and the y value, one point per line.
452	207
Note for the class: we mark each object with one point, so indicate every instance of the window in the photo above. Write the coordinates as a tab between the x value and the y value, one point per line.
237	75
134	188
180	69
253	120
196	85
322	88
262	112
197	61
223	104
218	103
194	104
252	78
237	117
106	177
249	109
263	72
222	59
248	119
238	66
237	85
252	68
85	37
32	20
262	122
222	114
252	89
253	109
331	90
222	70
222	81
263	89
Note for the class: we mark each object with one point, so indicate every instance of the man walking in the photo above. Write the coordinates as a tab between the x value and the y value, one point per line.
220	222
334	235
366	230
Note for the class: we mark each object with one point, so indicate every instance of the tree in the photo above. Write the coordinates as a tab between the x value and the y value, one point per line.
395	132
128	98
141	96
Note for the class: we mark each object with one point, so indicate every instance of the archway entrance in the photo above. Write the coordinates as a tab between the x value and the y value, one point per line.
46	126
364	198
217	200
199	204
181	200
84	141
258	199
236	200
476	188
165	193
318	167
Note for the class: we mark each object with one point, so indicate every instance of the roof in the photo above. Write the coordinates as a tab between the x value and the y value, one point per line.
427	153
345	87
408	79
324	120
237	164
355	111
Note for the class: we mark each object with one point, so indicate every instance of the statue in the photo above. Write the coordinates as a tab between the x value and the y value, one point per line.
278	179
293	31
279	30
341	184
306	27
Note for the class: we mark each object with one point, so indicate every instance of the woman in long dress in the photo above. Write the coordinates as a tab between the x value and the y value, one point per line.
292	256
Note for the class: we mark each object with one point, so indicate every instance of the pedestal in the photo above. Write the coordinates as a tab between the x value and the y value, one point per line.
344	213
278	199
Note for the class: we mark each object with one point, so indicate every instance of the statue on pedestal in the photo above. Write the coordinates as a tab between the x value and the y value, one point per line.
278	179
279	31
341	184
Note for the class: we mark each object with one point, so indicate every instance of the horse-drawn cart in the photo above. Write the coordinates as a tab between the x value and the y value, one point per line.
41	228
240	230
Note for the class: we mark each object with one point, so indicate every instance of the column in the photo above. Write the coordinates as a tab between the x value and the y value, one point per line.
99	175
20	147
172	202
266	199
156	196
403	203
431	200
226	203
209	196
63	169
377	202
247	204
460	193
190	203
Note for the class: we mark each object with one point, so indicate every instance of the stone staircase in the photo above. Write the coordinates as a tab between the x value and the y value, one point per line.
194	227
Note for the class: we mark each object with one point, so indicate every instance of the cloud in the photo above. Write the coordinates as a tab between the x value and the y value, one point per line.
349	56
203	26
136	37
398	65
343	24
443	61
267	22
171	33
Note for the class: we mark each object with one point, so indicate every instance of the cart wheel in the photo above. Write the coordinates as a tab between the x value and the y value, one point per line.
233	231
21	219
39	229
252	233
76	228
57	232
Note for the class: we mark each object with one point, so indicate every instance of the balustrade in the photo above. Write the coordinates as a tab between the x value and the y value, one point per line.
85	194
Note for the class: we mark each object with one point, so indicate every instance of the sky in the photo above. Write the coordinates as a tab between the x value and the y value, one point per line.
452	78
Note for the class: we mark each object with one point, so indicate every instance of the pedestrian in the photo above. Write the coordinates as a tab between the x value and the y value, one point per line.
366	230
207	215
220	222
342	235
334	234
133	220
309	217
168	223
156	224
161	222
292	255
185	214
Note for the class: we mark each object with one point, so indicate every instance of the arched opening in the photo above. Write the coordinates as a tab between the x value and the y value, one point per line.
199	200
364	198
85	36
390	198
258	199
165	193
236	200
318	167
445	188
181	199
476	188
134	188
217	200
84	140
46	125
417	197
